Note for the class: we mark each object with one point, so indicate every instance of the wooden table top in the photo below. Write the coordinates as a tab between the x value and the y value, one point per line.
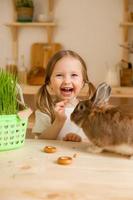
30	174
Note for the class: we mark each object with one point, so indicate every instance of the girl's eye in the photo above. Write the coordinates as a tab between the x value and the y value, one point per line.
59	75
73	75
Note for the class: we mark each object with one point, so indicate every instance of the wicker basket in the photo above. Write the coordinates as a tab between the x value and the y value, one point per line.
12	132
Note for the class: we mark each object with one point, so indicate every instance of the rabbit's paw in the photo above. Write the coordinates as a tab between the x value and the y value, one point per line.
94	149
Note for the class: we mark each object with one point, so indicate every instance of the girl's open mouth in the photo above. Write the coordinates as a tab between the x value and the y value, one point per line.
67	91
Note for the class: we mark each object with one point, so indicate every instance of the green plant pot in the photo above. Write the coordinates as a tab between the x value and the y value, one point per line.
24	14
12	132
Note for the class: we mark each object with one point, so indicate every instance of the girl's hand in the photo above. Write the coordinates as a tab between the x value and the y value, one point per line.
60	110
72	137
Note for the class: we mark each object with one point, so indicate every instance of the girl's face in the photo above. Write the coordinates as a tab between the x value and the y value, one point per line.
67	78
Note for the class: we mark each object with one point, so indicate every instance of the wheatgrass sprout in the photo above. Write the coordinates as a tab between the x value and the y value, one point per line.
8	93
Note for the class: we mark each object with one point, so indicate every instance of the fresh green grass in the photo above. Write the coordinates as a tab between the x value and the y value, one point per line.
8	93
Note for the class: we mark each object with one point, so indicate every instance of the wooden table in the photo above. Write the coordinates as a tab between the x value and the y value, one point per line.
30	174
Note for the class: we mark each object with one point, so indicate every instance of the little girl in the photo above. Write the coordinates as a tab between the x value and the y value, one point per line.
65	76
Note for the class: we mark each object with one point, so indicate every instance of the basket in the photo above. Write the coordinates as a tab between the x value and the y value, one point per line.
12	132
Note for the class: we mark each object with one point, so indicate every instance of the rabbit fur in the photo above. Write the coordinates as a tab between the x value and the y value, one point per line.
107	127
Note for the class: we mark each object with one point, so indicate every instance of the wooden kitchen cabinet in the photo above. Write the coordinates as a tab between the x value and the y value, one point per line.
15	26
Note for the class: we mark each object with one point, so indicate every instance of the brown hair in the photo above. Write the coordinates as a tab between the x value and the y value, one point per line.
44	101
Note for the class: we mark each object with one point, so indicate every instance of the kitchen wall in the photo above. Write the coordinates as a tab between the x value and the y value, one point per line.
89	27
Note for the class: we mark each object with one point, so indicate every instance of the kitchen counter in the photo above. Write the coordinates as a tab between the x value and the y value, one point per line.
116	91
30	174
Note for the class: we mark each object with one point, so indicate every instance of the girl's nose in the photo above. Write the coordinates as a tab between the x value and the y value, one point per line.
67	79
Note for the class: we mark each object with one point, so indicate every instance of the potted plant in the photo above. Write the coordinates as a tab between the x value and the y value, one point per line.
24	10
13	113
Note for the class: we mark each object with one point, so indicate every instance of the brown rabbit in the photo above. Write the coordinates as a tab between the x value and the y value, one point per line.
106	126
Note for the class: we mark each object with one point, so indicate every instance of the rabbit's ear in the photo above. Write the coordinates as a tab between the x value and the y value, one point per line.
101	95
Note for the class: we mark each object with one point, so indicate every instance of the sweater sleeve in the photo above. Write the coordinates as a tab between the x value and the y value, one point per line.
42	122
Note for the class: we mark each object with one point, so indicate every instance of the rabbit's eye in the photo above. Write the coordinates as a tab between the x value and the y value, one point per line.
81	107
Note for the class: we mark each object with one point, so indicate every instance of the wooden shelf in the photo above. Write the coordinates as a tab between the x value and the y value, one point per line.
29	89
126	24
122	92
15	26
31	24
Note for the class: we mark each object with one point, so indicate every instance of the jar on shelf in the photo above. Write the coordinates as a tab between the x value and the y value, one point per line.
11	66
112	75
22	72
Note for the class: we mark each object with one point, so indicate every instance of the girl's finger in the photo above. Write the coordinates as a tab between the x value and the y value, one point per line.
62	103
73	137
78	139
